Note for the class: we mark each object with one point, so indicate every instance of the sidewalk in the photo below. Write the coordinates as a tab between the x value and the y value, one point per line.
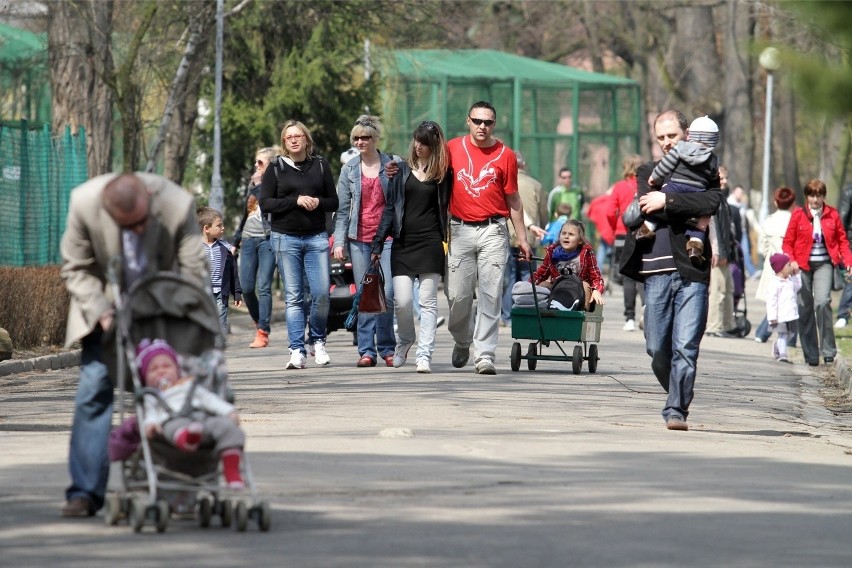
385	468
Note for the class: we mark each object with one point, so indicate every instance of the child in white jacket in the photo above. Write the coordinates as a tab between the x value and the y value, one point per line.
782	311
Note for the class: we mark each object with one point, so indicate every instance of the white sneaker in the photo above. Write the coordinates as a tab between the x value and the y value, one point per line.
297	360
400	355
309	347
629	325
439	322
322	357
423	366
841	322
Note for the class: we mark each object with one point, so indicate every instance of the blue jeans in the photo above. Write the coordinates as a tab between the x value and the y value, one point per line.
375	331
845	302
516	271
88	463
675	319
222	306
257	267
301	259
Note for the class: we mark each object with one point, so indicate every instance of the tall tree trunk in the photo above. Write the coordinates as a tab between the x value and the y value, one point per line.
737	148
79	55
694	62
784	144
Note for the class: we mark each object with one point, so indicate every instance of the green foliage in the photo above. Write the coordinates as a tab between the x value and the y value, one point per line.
288	59
823	77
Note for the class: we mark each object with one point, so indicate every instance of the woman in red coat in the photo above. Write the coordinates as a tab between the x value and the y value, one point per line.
816	242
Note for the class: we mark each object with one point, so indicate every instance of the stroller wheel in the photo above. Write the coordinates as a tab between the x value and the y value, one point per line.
112	509
226	512
241	516
136	515
163	513
264	516
205	511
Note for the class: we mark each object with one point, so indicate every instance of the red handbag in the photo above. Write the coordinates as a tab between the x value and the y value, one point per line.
373	299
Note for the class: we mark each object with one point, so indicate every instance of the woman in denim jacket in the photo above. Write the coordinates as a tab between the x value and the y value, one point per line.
363	193
416	216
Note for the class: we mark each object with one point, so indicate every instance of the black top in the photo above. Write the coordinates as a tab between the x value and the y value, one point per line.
283	184
420	219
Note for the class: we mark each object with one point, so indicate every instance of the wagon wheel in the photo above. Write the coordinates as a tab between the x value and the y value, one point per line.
264	519
531	353
136	515
205	511
577	359
226	513
593	358
112	509
241	516
515	358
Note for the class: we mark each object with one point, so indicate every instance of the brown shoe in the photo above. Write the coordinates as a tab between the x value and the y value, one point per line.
366	361
644	232
677	423
261	339
695	250
78	507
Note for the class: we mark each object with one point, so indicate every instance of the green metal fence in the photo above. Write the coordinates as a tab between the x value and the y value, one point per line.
37	173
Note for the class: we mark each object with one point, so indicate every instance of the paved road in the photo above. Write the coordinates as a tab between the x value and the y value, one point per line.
539	469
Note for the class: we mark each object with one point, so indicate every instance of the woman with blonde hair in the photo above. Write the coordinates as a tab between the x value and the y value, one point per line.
363	192
416	216
257	261
297	195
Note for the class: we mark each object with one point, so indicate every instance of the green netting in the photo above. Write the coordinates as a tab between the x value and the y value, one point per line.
37	174
556	115
24	80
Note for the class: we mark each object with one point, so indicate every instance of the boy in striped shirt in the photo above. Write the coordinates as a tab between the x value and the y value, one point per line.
224	280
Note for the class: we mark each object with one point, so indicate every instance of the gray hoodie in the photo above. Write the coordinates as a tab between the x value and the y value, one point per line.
688	163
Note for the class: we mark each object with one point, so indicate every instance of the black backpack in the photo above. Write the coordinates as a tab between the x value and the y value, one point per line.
568	291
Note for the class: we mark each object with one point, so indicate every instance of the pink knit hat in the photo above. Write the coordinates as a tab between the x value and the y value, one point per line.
147	350
778	261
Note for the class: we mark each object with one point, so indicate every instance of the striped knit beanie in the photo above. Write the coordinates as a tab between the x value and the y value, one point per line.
704	130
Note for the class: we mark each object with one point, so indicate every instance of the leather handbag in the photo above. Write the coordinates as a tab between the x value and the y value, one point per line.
373	299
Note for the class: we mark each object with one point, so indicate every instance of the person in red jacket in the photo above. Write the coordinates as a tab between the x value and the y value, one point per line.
622	194
816	242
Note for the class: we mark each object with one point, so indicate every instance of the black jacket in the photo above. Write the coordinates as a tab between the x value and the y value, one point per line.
281	186
680	207
394	209
230	276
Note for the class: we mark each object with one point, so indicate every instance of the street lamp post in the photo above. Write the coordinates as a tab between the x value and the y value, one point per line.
217	200
769	60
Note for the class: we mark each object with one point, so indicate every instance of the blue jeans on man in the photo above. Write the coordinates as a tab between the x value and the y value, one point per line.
375	331
675	320
88	462
304	259
257	268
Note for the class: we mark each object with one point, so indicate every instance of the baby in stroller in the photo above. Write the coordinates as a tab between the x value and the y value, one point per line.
187	414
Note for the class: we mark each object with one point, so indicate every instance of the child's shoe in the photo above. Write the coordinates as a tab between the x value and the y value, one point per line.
231	459
188	438
695	250
644	232
261	339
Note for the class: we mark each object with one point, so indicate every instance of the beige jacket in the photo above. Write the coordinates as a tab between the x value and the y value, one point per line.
535	207
172	242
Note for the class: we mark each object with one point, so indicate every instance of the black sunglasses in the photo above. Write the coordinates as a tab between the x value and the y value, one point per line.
362	138
481	121
368	123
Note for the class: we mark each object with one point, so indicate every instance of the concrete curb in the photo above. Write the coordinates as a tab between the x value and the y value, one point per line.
844	375
45	363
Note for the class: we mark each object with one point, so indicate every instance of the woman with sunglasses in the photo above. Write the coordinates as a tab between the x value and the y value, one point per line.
416	216
298	194
363	193
257	261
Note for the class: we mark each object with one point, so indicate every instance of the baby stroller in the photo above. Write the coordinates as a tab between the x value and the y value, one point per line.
742	327
159	481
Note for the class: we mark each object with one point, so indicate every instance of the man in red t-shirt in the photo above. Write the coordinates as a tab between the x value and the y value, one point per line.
485	192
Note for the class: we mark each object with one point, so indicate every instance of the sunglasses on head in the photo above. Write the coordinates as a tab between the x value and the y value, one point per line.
362	138
480	121
368	123
429	126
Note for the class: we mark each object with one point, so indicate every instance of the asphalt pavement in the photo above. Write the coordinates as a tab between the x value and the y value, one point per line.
383	467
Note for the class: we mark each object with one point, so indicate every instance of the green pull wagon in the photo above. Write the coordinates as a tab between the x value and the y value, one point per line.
547	325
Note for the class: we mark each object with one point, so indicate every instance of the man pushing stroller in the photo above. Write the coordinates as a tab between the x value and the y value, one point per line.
208	420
